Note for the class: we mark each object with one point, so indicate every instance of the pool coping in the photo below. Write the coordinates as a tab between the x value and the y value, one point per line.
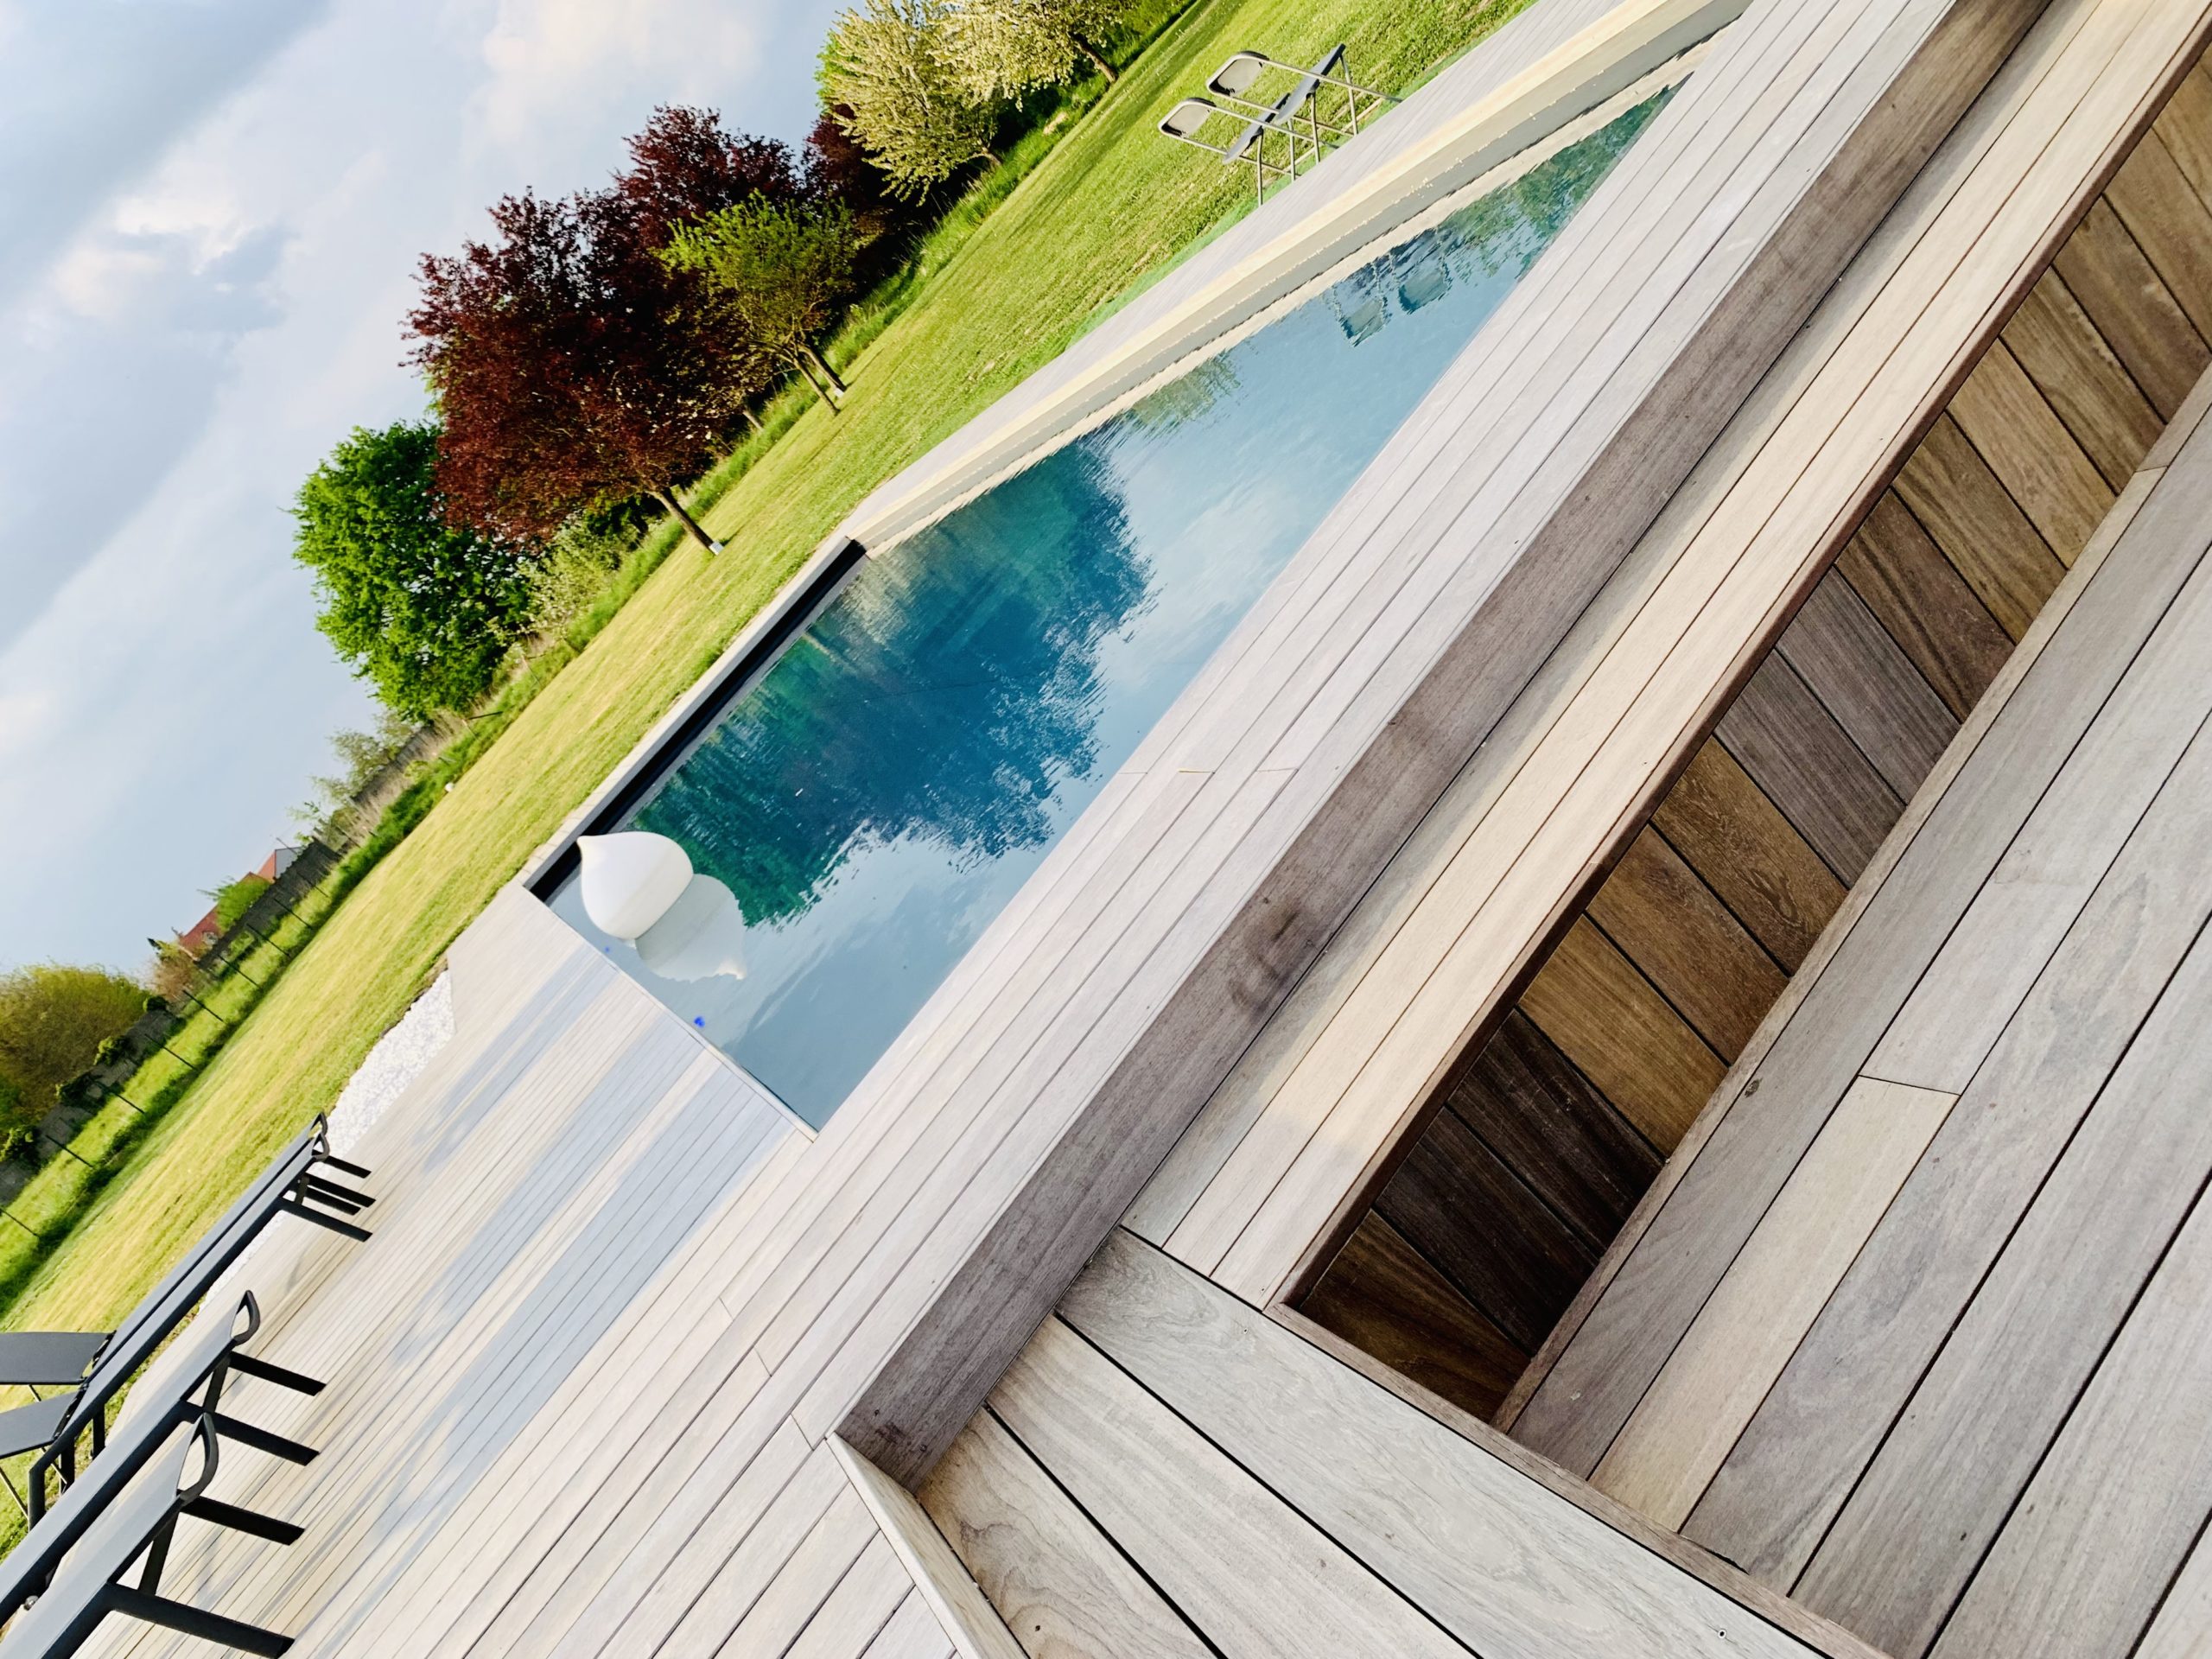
1479	111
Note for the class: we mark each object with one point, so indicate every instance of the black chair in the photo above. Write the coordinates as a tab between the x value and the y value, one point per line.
191	1385
290	1186
122	1524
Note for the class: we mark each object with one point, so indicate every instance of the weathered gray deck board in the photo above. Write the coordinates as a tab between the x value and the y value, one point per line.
1509	1567
1781	1487
1242	1564
1064	1590
2114	1509
1981	1419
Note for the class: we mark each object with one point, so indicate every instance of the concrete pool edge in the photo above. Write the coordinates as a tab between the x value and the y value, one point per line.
1510	92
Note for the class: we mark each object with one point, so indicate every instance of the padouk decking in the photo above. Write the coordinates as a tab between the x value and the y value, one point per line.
1921	1336
1677	958
1164	1470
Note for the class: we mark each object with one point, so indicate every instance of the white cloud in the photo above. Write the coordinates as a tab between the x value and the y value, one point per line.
200	292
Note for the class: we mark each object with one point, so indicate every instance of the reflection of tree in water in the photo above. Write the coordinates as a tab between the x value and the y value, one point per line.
1501	233
945	695
1189	397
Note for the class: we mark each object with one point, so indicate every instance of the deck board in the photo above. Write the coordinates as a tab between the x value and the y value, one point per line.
1674	1261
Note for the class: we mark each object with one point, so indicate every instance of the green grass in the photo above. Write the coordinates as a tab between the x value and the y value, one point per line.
1010	277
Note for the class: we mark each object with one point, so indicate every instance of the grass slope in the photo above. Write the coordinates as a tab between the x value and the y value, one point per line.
1110	203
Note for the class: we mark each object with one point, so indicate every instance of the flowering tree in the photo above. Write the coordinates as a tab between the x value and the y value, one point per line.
574	367
888	64
1007	49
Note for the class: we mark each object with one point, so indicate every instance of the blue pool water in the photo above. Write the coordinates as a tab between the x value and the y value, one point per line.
876	796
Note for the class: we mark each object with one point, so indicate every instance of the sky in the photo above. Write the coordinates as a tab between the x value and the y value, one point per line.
211	213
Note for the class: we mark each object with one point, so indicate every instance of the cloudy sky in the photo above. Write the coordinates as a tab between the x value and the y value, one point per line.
210	213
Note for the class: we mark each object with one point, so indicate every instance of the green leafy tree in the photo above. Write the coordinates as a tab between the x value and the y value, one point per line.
888	72
1008	49
233	899
784	268
53	1020
424	611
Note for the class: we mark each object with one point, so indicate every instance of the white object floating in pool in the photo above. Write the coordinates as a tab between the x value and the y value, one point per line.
702	936
631	879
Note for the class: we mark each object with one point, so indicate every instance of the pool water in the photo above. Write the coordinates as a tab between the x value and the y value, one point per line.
876	796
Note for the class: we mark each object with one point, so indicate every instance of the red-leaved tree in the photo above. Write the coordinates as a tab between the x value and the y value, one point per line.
684	167
573	367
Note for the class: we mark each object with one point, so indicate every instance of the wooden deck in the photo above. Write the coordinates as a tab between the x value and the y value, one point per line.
634	1366
1920	1337
1552	1129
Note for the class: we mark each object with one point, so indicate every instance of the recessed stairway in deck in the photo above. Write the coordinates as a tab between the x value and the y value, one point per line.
1551	1129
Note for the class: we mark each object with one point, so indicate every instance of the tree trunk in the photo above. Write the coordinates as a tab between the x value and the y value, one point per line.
820	391
751	420
667	496
828	373
1096	62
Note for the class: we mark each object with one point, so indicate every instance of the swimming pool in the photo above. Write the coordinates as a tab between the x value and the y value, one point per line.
875	795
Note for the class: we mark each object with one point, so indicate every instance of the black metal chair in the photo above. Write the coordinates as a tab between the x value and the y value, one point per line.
127	1521
290	1186
191	1385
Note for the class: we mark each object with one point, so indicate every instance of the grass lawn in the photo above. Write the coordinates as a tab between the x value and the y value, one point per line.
1110	203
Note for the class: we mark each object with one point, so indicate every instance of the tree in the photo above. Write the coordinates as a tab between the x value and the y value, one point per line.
361	757
233	899
684	167
575	367
53	1020
783	269
837	169
1007	49
170	972
887	63
422	610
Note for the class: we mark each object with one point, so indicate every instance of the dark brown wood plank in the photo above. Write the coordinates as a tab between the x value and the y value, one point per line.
2086	384
1849	661
2170	223
2015	429
1809	766
1589	1000
1455	1202
1684	940
1384	1298
1747	852
1981	530
1924	604
2119	292
1554	1129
